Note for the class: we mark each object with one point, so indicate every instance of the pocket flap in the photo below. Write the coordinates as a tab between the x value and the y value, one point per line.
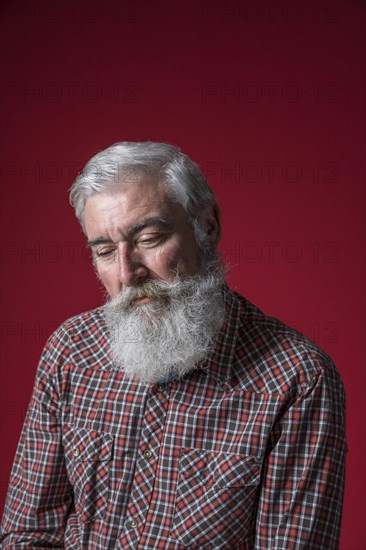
220	469
88	445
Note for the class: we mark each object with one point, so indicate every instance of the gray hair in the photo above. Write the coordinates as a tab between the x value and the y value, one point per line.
128	162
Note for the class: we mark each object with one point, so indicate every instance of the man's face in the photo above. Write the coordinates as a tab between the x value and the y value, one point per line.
159	284
138	234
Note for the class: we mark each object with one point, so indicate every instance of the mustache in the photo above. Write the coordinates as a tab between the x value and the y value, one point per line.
157	290
169	292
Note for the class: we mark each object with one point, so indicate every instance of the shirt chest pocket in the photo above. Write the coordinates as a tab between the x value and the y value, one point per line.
215	499
88	455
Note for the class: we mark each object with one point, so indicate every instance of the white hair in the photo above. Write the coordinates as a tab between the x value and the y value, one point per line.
129	162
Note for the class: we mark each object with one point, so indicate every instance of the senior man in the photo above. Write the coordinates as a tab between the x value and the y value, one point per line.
177	415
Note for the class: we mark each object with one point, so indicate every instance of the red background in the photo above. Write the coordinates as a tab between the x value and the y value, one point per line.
266	96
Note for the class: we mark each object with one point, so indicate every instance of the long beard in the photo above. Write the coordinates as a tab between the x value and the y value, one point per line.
171	334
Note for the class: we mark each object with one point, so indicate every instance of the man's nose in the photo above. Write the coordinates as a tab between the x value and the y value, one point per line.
130	267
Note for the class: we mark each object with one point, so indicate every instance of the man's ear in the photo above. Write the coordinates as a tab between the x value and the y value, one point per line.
212	222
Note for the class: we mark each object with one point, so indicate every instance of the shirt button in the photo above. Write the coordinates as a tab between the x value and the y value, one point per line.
76	452
147	454
132	523
160	387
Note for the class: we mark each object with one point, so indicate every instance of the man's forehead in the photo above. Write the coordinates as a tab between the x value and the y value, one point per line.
139	188
130	208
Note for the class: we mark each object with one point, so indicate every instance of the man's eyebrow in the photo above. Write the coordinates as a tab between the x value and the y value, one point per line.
147	222
99	240
157	222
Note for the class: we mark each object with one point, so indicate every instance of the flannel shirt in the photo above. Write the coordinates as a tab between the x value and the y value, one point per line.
246	452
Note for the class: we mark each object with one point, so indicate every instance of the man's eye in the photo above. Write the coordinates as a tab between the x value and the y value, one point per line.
150	240
105	252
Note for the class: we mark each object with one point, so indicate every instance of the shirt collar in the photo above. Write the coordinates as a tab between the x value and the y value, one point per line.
220	360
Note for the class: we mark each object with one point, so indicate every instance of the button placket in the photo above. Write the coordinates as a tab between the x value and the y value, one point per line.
151	435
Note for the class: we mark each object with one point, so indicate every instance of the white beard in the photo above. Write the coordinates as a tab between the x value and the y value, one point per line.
171	334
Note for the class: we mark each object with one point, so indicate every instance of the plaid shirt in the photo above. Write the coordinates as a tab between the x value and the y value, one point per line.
247	452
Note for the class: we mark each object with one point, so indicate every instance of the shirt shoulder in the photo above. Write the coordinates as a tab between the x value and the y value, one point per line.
81	340
272	357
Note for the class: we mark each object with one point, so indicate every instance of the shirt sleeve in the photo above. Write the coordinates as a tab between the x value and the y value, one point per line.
300	504
39	497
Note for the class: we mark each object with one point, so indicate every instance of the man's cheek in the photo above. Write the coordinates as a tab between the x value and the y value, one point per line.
176	263
165	261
